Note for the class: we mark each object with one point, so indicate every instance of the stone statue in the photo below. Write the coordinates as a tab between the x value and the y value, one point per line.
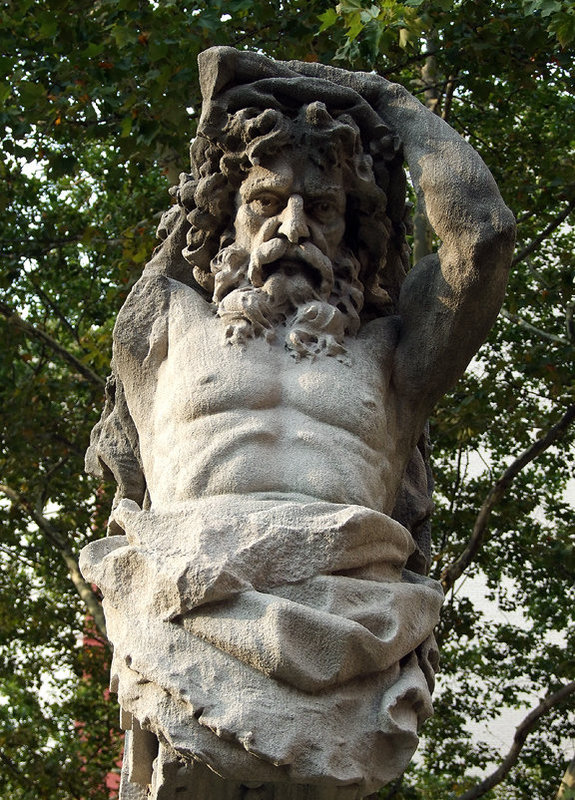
265	578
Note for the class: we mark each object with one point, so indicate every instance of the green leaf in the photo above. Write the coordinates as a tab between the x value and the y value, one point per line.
563	26
349	6
328	18
126	125
369	14
549	7
48	28
544	7
354	26
5	92
124	35
30	93
157	48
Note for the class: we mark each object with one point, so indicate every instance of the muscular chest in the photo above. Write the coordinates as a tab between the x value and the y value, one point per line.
202	379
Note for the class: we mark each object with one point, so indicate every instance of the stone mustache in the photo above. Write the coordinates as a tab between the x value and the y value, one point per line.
264	578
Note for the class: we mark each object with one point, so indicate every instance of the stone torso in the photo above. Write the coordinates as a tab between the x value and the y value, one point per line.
218	419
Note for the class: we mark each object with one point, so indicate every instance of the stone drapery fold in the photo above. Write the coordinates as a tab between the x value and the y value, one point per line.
273	640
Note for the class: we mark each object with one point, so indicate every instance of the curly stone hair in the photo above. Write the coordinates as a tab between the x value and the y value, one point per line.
230	142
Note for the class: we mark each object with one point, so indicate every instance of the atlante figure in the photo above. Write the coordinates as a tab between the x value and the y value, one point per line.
264	579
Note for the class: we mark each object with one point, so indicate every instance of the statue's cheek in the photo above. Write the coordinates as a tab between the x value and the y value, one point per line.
246	225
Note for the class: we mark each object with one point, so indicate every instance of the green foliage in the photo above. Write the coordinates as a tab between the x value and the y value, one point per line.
98	102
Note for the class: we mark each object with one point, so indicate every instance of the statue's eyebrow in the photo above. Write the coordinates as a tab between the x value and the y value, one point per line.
333	194
329	191
282	185
268	183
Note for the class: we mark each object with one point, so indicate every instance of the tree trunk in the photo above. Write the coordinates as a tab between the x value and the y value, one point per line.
567	788
422	232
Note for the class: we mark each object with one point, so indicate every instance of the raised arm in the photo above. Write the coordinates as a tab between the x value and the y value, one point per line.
450	299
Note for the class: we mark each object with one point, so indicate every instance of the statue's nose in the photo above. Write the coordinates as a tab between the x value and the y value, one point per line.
292	219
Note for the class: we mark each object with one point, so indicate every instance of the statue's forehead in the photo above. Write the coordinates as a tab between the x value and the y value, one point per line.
293	173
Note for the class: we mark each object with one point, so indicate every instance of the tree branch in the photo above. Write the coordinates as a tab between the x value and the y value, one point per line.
51	305
30	330
553	225
569	326
456	569
526	216
538	275
392	69
531	328
448	97
83	588
521	733
471	134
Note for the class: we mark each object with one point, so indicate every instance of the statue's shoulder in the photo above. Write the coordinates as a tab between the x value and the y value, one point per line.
142	327
151	298
148	297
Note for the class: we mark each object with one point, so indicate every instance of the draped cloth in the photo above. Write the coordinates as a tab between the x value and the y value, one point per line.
272	640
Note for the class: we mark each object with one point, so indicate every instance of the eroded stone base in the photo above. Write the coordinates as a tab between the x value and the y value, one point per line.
171	779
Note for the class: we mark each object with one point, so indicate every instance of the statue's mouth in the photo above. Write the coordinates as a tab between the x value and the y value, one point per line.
297	260
292	267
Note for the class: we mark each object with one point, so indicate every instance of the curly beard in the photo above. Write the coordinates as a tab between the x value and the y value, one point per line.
315	301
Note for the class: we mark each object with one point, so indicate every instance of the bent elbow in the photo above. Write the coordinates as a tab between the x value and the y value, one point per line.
496	241
505	230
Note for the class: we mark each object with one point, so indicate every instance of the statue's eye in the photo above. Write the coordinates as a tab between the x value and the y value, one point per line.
324	211
266	205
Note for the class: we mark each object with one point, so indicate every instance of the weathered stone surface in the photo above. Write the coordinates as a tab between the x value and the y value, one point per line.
264	579
257	617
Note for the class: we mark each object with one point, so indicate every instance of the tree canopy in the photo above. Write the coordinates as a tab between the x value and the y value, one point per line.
99	100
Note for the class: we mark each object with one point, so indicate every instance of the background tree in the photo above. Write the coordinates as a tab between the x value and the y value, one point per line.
99	101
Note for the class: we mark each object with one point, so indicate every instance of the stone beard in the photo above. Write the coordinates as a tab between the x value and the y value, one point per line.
299	294
264	579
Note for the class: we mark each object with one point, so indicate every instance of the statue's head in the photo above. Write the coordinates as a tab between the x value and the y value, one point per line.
288	206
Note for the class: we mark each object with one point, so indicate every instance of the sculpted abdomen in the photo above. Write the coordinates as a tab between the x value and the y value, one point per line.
266	423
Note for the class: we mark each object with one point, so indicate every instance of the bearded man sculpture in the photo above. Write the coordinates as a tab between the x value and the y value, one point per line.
265	578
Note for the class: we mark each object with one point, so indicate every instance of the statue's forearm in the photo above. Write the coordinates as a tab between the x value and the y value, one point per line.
461	199
448	302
